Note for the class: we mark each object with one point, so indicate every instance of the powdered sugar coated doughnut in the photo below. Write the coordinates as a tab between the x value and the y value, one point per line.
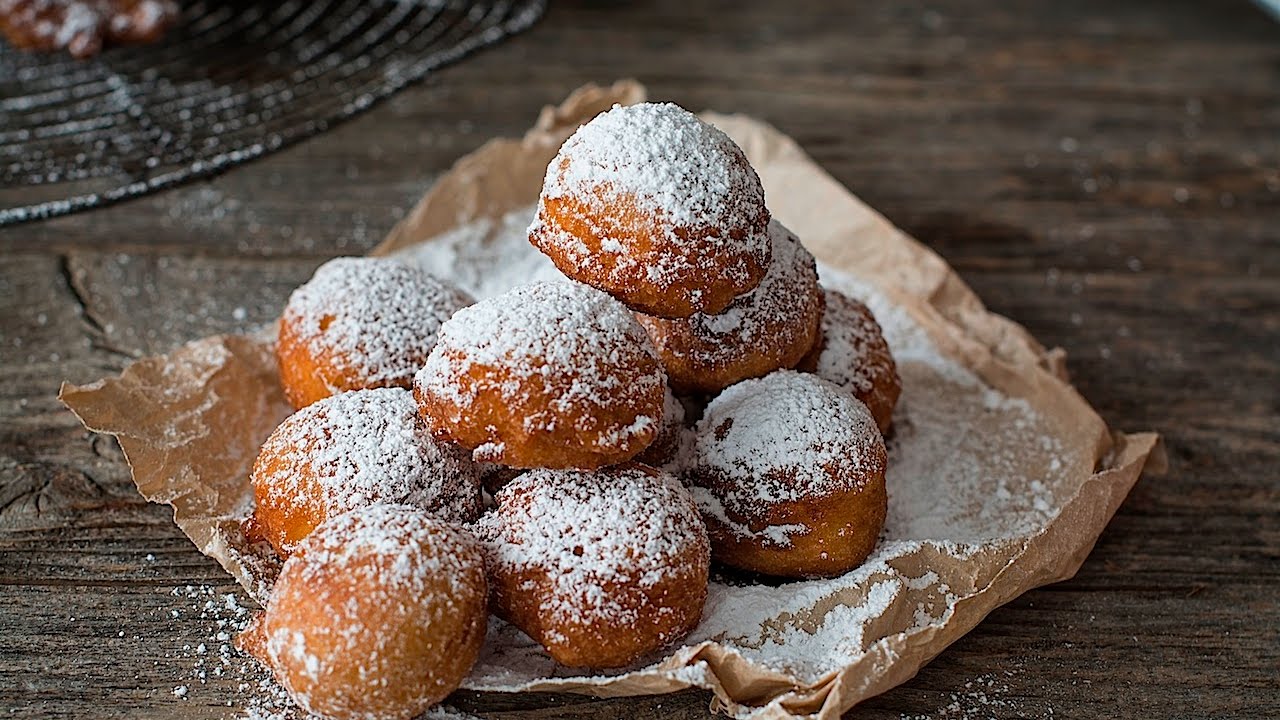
788	471
852	353
602	568
771	327
656	207
360	323
380	614
551	374
352	450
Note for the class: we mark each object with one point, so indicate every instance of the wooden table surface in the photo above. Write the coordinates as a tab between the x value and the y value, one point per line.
1105	173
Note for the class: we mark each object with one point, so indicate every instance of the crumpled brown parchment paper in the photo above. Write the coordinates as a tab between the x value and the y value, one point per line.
190	424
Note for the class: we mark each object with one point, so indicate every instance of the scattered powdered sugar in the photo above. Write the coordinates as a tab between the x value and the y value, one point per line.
773	320
583	347
594	535
854	354
649	194
362	447
664	156
782	438
372	320
480	258
986	697
958	480
952	432
775	301
394	549
215	672
362	605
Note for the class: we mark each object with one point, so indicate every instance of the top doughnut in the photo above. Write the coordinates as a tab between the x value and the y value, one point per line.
657	208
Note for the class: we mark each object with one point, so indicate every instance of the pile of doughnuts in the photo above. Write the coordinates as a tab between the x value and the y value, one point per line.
571	455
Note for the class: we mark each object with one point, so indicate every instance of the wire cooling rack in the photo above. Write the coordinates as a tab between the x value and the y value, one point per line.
231	82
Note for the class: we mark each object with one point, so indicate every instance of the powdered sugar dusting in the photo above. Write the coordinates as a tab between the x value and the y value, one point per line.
480	257
851	337
671	161
785	437
362	447
565	335
592	533
387	548
663	195
372	319
362	616
956	482
773	319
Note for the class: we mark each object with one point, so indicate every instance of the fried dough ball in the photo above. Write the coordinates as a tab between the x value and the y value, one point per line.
852	353
601	568
788	471
664	447
360	323
353	450
380	615
772	327
657	208
552	374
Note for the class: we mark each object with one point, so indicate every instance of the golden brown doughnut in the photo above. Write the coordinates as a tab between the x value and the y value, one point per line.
772	327
657	208
552	374
788	471
852	353
352	450
380	614
601	568
360	323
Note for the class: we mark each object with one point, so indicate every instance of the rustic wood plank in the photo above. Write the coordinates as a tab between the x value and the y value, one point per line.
1107	174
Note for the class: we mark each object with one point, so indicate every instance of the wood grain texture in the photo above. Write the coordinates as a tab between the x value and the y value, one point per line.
1105	173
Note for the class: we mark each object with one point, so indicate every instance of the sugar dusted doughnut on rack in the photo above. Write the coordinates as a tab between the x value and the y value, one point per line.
852	353
656	207
601	568
772	327
380	614
349	451
788	471
360	323
551	374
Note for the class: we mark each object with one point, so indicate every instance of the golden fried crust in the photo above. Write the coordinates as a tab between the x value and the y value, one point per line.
789	473
600	568
552	374
770	328
492	423
305	378
842	531
360	324
568	229
852	353
656	207
349	451
284	518
378	616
